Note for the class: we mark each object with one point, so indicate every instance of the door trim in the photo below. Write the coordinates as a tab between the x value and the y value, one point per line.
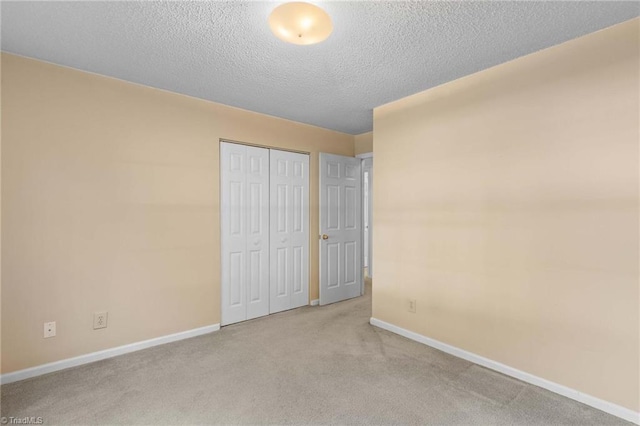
365	155
256	145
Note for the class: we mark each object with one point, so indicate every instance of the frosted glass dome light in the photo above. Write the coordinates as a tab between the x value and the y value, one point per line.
300	23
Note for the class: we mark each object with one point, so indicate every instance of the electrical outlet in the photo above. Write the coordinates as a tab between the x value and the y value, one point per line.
49	329
100	320
411	305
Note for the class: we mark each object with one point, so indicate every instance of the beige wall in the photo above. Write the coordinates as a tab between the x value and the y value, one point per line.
110	202
363	143
506	204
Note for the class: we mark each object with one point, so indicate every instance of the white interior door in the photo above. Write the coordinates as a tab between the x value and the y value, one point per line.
340	228
289	187
244	209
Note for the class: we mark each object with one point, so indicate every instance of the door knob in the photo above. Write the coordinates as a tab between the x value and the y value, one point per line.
325	237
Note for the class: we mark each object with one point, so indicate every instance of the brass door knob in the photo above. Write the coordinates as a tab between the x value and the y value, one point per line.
325	237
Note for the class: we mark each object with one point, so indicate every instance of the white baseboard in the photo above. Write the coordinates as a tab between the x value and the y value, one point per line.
607	407
315	302
107	353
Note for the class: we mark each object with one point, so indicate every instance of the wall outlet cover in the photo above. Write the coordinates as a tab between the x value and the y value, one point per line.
49	329
100	320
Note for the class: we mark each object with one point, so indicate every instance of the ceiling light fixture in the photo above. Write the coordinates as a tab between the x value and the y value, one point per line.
300	23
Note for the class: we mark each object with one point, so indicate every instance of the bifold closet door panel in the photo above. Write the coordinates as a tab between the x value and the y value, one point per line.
257	232
244	210
289	229
233	232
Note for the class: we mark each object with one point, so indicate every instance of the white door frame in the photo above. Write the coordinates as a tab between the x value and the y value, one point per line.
370	231
365	155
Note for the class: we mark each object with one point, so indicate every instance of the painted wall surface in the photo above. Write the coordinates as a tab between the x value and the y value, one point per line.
363	143
507	204
110	201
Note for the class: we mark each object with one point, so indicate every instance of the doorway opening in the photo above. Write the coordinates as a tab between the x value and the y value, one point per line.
367	213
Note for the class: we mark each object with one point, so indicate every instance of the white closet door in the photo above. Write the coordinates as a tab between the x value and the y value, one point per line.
289	193
244	201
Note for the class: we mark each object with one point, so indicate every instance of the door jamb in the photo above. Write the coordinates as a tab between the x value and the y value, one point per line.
362	157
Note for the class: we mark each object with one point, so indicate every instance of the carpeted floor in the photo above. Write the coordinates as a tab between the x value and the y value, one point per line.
307	366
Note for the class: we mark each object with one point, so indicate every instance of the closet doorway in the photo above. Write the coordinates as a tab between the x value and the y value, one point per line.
264	217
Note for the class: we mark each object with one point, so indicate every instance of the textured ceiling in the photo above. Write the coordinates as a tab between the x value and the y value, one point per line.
224	51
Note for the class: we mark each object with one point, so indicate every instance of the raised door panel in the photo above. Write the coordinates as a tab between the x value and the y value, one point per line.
297	279
332	207
281	272
332	265
236	279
